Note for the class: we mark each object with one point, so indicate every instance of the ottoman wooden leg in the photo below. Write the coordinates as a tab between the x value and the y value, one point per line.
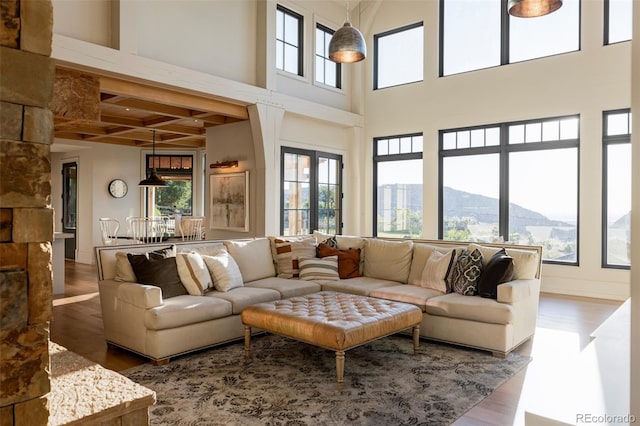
339	368
247	341
416	338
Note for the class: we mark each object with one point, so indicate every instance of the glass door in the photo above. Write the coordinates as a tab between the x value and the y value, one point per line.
69	207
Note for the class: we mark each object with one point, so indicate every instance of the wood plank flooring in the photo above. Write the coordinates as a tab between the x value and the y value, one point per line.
563	329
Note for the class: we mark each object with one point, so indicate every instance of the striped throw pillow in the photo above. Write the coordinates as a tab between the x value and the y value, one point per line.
193	273
325	268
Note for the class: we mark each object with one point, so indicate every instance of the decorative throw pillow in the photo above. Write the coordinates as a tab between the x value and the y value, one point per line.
348	260
436	270
314	268
125	273
224	270
466	270
498	270
193	273
158	270
288	253
331	242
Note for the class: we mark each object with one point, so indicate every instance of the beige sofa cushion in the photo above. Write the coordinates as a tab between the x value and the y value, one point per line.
360	285
406	293
388	260
525	262
242	297
253	258
472	308
286	287
185	310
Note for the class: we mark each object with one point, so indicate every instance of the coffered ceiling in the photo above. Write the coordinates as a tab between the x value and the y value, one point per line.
127	112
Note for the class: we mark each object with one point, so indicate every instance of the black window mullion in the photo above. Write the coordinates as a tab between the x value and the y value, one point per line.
503	202
504	33
313	192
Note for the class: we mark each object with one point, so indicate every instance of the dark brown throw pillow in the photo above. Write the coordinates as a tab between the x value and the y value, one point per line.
159	271
348	260
499	269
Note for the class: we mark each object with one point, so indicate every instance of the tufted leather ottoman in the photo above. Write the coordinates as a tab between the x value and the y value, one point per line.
331	320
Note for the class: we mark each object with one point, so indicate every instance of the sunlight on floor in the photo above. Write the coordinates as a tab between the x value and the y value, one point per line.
552	352
73	299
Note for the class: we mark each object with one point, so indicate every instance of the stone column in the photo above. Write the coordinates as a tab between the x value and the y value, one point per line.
26	217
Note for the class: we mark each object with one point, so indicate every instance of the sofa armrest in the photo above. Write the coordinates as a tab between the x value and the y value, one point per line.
140	295
518	290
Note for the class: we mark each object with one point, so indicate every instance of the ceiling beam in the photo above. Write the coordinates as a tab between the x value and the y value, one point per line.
170	97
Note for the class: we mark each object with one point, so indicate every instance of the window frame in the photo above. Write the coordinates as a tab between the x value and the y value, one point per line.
504	39
503	149
313	185
338	85
606	25
606	142
376	55
168	172
300	47
377	158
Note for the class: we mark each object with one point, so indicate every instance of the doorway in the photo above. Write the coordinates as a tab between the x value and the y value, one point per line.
69	207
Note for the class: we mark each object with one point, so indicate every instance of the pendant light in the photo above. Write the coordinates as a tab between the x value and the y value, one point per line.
347	44
532	8
153	179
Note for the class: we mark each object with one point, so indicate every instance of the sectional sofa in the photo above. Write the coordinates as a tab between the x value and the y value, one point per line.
138	318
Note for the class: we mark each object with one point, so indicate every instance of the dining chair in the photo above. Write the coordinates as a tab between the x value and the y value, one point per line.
148	229
191	227
109	228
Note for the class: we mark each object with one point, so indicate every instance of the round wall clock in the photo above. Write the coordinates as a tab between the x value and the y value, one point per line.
118	188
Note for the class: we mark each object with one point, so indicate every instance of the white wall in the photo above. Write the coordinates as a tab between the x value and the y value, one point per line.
97	166
87	20
200	35
585	82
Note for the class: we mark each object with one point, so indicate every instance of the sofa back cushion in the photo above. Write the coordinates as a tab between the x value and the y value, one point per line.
387	260
525	262
253	258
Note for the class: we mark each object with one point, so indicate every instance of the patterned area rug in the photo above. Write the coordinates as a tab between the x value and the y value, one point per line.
292	383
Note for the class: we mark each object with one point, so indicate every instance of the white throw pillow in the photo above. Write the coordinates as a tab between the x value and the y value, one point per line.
253	258
224	271
315	268
193	273
435	271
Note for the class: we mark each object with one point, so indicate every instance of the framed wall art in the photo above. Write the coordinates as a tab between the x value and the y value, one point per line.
229	201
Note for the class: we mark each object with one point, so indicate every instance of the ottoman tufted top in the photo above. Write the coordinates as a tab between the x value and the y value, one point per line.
332	320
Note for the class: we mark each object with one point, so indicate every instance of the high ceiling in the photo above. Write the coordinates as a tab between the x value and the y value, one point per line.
130	111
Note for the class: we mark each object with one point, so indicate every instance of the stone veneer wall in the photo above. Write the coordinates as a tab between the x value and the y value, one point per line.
26	216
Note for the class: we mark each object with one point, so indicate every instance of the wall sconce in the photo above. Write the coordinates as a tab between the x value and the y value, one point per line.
223	164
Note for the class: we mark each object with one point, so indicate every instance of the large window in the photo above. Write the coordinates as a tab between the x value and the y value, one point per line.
398	186
177	196
289	41
618	19
398	56
616	215
311	192
515	182
327	71
477	34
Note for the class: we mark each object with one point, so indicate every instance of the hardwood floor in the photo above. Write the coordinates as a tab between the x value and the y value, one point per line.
563	329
